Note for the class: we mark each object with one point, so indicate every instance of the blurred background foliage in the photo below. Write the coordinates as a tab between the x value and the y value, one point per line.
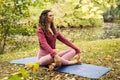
19	18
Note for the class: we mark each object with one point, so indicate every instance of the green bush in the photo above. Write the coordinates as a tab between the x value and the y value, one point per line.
92	22
111	32
24	30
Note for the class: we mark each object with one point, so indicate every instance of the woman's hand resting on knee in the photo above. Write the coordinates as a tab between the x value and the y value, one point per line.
57	60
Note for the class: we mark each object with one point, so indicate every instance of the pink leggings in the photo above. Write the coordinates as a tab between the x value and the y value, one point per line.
45	58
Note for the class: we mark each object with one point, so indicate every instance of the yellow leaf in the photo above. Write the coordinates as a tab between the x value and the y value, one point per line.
0	0
35	67
29	65
100	1
91	4
98	16
86	17
85	1
99	12
108	57
108	5
113	39
94	9
88	46
85	8
115	6
89	61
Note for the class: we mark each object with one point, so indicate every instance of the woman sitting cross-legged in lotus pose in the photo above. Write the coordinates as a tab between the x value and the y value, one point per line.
47	35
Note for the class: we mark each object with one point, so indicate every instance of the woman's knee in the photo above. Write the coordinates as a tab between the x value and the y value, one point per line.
64	61
45	60
73	51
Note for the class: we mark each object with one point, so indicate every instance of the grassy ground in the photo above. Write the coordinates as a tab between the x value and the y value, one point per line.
93	51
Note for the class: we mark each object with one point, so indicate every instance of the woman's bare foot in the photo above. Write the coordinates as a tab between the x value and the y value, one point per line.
78	59
52	66
57	60
72	62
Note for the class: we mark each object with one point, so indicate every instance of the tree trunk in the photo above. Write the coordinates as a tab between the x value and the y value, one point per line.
4	40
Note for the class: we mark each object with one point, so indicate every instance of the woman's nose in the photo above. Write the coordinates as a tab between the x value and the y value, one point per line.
52	16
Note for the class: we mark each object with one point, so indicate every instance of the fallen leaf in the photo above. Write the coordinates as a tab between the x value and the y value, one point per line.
29	65
108	57
35	67
89	61
117	60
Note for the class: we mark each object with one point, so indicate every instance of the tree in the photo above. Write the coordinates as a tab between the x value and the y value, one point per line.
11	14
81	12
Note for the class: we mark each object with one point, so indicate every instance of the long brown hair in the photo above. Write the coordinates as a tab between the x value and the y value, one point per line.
43	22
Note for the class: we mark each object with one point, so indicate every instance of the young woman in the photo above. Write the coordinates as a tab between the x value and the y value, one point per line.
47	35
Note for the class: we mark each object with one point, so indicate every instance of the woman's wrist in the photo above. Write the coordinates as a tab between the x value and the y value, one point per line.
77	51
53	54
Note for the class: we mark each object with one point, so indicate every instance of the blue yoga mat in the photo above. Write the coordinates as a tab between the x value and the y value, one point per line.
85	70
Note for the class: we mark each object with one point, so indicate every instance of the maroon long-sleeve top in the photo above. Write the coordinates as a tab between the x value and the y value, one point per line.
48	41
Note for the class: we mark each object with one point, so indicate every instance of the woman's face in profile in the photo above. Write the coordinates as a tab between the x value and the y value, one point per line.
50	17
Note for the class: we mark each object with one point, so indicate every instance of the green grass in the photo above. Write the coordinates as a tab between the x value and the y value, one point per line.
93	51
87	34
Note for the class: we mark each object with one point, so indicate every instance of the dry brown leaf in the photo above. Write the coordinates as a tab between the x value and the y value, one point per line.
108	57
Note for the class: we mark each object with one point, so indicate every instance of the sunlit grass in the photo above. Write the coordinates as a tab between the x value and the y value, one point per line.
99	52
87	34
93	51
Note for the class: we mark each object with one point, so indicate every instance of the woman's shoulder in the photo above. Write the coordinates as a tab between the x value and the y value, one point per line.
39	29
